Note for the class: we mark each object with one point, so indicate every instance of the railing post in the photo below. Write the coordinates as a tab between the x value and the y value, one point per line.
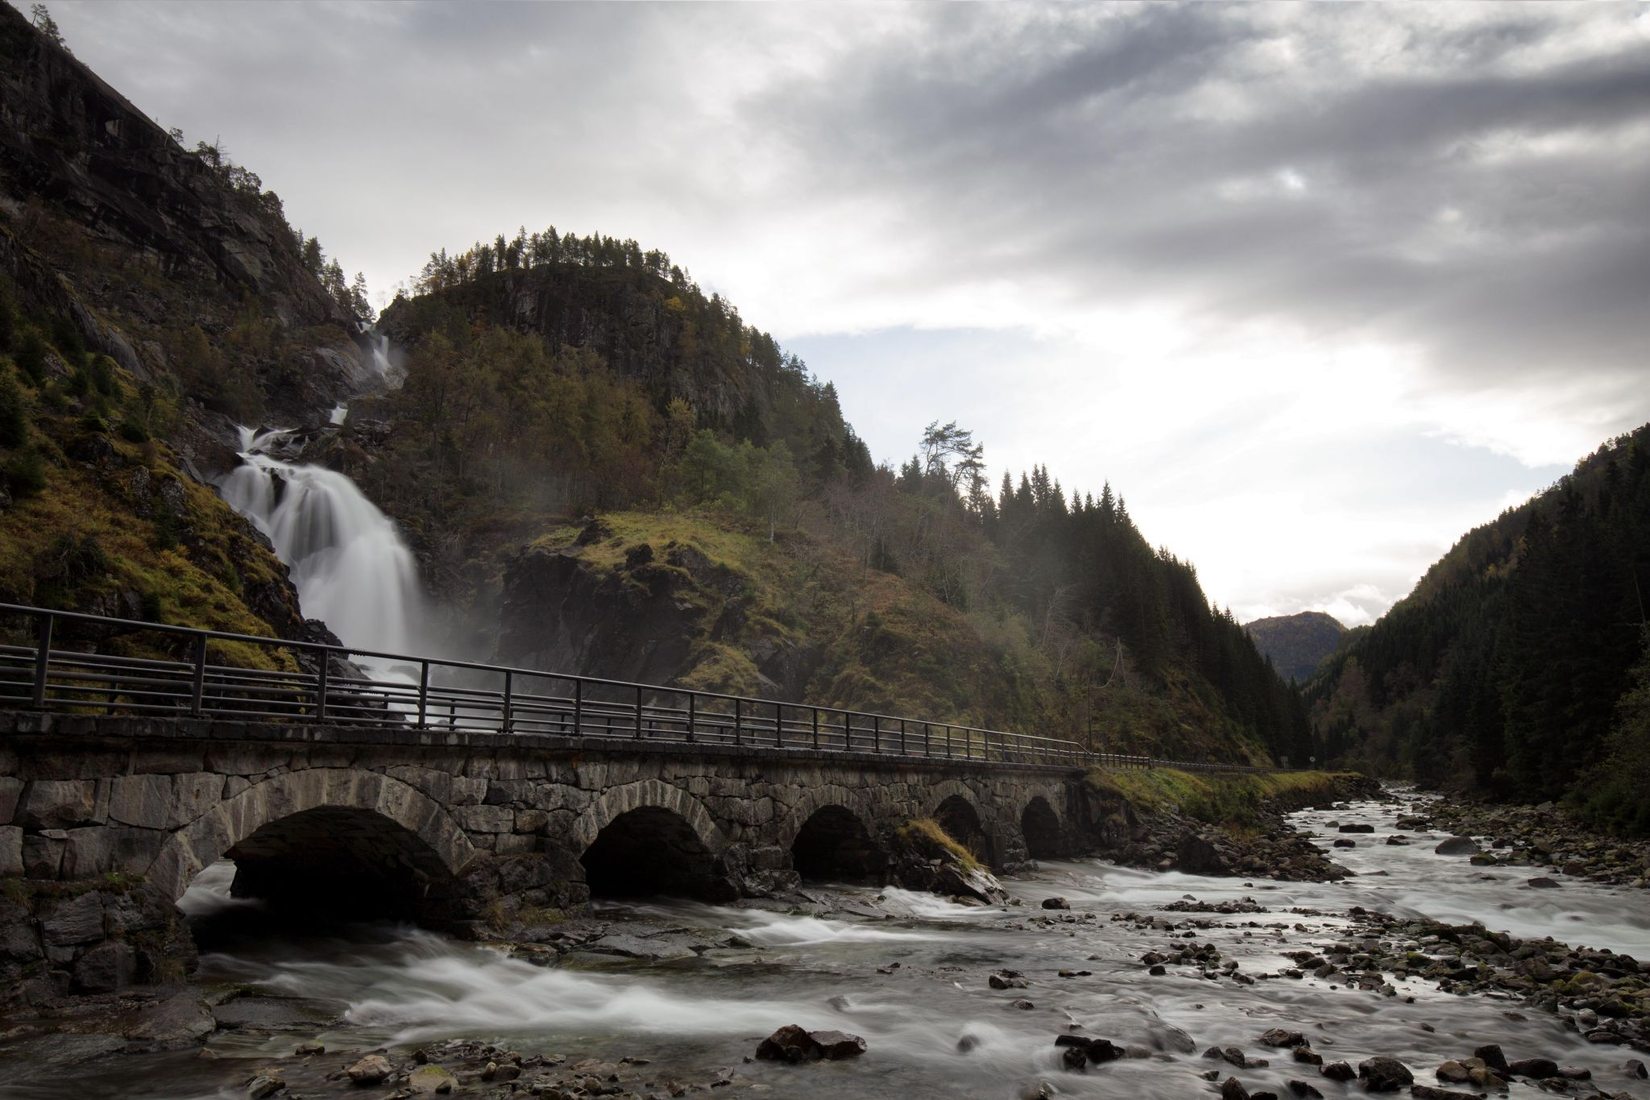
779	725
876	733
578	708
902	737
927	739
423	692
738	721
985	744
42	658
321	686
816	727
638	712
509	698
197	684
692	714
948	742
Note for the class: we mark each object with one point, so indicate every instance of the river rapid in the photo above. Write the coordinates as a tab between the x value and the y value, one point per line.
909	973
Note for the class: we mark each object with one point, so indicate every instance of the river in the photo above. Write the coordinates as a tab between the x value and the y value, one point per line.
908	972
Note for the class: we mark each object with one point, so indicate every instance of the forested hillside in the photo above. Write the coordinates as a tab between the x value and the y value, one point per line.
553	377
1297	644
1509	669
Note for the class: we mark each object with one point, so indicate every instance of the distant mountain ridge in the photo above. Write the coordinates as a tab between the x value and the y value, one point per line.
1297	644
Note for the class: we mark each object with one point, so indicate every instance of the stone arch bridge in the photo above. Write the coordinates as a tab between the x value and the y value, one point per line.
449	826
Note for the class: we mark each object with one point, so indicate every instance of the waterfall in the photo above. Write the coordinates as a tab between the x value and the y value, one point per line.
348	562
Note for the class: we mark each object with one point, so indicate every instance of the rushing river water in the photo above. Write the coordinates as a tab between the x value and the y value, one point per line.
908	973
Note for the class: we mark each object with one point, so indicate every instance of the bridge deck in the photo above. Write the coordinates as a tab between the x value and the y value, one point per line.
200	680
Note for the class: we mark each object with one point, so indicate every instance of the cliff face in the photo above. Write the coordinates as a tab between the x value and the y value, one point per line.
109	222
68	138
151	298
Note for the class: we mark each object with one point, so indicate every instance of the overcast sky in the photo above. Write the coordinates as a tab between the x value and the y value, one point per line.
1317	288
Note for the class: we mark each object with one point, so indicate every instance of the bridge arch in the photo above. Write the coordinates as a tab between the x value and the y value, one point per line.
323	829
650	837
1041	827
830	832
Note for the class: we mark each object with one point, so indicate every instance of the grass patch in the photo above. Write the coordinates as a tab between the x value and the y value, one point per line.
928	837
1209	796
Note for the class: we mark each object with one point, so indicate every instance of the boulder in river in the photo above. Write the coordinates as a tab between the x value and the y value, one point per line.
1357	828
1538	1068
371	1070
1383	1074
1457	846
1283	1037
835	1045
794	1044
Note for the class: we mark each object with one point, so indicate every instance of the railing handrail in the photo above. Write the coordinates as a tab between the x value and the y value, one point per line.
516	708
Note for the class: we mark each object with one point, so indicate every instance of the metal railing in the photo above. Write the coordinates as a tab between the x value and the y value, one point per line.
129	667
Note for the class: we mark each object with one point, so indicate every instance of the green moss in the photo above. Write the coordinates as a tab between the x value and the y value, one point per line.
1220	799
929	837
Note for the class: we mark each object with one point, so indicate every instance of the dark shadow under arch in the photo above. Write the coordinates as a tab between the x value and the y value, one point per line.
341	863
649	851
1040	826
833	845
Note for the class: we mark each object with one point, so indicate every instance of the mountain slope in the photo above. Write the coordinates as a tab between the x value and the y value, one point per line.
1297	644
149	297
1502	671
552	377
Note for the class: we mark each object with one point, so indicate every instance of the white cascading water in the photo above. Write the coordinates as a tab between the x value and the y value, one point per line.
348	562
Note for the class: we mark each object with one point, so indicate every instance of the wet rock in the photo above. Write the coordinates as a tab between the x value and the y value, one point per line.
303	1049
1024	1005
1197	856
1075	1059
1542	883
431	1081
1428	1092
1383	1074
1538	1068
1397	840
1490	1054
177	1021
835	1045
1339	1071
1307	1055
1234	1055
1635	1069
371	1070
1356	828
1342	842
1007	979
1457	846
1283	1037
1300	1088
795	1044
1056	903
1232	1089
264	1083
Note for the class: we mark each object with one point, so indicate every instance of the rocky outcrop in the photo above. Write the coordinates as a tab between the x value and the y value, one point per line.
118	229
68	138
1166	840
654	619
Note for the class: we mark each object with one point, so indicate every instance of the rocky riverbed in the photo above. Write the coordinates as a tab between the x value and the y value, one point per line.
1096	980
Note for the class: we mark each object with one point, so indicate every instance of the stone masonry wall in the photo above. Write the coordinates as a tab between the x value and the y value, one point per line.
134	809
